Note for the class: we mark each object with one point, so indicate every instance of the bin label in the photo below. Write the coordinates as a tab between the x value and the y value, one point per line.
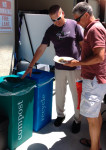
43	105
20	119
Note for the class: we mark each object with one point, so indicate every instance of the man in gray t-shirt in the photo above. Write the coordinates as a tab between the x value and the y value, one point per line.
66	35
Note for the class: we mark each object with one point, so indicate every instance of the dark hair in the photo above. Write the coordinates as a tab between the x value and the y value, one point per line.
53	9
82	7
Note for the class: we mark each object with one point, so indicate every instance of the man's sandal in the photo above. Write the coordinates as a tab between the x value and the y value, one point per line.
86	142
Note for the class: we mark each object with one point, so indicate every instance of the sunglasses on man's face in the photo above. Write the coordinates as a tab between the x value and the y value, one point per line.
79	18
54	20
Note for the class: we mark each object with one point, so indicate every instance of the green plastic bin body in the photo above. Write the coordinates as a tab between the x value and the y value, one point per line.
16	102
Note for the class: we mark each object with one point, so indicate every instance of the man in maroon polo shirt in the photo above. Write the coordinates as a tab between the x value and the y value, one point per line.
93	70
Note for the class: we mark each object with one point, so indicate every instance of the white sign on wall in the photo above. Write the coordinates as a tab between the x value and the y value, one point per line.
5	16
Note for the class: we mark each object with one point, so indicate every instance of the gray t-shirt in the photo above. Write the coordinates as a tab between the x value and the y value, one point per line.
66	41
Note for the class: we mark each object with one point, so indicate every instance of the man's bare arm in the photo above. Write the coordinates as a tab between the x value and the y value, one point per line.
39	52
97	57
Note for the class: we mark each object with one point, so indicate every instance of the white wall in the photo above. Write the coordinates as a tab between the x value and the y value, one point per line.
95	6
37	30
6	48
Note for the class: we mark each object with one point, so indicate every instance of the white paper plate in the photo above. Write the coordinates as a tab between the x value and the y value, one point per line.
57	59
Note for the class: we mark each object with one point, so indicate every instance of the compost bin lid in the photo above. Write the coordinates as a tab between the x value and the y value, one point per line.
15	83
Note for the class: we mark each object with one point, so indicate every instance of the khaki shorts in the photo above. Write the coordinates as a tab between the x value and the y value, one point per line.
91	98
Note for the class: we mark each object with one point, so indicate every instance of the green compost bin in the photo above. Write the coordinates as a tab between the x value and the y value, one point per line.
16	102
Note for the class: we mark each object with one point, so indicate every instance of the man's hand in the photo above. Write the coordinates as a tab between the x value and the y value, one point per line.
29	70
72	63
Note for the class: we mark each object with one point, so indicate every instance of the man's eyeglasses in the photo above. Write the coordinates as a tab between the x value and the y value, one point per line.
54	20
79	18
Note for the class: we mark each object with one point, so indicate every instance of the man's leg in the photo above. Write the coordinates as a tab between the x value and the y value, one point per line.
60	91
94	131
92	96
72	77
61	81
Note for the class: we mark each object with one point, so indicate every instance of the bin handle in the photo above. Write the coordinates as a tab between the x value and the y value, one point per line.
4	92
36	72
13	79
42	84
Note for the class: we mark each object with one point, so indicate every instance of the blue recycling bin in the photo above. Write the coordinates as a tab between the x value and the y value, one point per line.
42	97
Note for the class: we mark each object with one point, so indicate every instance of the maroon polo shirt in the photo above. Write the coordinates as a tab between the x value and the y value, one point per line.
94	37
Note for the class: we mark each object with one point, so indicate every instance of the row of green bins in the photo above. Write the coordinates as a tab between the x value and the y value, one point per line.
42	97
16	102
